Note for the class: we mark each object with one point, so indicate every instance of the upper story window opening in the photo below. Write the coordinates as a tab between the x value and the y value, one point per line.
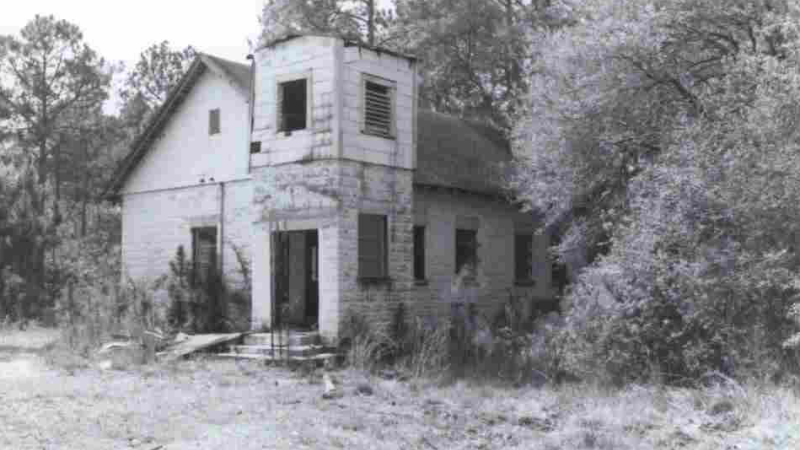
293	105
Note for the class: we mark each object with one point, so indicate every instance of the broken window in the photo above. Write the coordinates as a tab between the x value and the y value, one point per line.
213	122
419	253
372	246
204	252
466	249
523	258
255	147
378	108
292	105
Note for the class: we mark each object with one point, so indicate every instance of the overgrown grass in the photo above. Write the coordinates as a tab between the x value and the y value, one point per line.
207	403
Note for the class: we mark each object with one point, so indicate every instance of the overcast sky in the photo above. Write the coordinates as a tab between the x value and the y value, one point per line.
119	30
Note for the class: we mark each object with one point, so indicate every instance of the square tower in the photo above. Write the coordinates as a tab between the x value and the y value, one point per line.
333	154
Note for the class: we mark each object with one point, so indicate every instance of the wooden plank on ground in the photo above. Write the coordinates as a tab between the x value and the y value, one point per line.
196	343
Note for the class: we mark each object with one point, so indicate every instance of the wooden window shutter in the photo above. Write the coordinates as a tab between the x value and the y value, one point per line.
378	109
372	248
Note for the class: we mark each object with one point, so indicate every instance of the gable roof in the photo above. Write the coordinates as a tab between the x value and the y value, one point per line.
452	153
237	74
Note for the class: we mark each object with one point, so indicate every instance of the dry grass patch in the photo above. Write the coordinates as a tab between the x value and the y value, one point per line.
212	404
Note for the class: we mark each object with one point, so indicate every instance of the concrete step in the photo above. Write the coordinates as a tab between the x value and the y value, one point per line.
320	357
298	350
293	338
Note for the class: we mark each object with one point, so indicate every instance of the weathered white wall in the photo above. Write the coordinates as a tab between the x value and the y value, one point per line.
155	223
335	122
185	153
439	212
357	146
312	57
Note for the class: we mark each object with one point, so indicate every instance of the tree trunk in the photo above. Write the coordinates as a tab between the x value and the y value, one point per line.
371	22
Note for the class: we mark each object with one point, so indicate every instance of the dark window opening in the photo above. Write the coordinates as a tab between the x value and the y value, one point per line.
377	109
466	249
255	147
372	246
292	101
204	252
559	273
523	258
419	253
213	122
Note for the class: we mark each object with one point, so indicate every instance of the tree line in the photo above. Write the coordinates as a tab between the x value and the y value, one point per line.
58	148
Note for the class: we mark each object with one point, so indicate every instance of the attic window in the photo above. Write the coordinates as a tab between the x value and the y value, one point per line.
213	122
292	105
379	114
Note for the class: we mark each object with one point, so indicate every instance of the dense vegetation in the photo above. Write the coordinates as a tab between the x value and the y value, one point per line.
661	144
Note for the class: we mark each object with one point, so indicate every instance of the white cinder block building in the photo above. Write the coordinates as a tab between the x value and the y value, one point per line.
317	163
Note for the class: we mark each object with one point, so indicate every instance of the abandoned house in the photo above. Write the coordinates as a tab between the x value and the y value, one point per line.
317	163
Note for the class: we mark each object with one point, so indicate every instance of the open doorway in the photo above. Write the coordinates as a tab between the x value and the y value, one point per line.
296	278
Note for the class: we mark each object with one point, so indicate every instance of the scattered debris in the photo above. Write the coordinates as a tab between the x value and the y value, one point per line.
544	425
330	389
195	343
721	407
120	355
364	389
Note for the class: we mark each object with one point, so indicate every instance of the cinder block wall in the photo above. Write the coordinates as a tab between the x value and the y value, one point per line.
323	176
155	223
440	211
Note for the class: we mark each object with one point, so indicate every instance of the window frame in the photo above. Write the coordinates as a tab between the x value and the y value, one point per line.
458	247
213	114
382	247
392	94
214	263
289	78
526	278
419	239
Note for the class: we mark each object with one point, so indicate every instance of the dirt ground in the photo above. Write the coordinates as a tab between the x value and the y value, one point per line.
208	404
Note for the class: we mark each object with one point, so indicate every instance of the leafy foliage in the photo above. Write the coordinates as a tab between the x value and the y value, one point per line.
158	70
474	53
358	20
661	139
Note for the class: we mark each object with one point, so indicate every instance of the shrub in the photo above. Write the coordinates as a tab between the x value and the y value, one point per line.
204	305
366	345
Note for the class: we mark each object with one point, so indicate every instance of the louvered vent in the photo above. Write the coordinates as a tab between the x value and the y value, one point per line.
378	109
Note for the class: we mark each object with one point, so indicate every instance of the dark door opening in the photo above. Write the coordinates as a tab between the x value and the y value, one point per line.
296	278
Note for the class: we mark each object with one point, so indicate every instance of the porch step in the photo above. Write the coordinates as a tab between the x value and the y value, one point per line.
280	351
293	338
320	357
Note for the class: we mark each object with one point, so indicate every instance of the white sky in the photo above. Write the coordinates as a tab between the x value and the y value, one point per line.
120	29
